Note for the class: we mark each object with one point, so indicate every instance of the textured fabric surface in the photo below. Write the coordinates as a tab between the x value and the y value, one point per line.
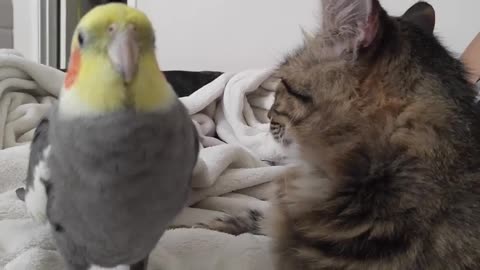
27	90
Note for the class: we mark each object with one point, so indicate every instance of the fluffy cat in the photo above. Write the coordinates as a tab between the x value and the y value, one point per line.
387	135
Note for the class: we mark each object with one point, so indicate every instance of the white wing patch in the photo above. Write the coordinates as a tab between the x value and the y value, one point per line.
122	267
36	195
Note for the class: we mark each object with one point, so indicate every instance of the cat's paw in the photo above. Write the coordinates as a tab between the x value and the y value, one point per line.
248	222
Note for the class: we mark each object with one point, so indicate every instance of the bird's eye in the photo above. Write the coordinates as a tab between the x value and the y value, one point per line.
81	39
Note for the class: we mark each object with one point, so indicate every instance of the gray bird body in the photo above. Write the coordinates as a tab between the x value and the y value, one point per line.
115	182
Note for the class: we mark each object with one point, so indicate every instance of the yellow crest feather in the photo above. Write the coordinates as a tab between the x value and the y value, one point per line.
98	86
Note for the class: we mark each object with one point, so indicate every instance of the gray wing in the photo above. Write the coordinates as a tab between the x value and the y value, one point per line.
37	147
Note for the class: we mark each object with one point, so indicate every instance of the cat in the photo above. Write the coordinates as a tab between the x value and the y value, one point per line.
384	125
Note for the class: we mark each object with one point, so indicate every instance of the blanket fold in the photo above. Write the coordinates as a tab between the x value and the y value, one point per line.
26	91
232	174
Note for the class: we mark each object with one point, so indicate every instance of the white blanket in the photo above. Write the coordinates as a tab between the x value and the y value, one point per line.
230	176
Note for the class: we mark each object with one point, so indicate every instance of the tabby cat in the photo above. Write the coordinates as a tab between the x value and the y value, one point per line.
384	125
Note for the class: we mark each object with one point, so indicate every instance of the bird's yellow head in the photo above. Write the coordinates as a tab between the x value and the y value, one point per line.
113	64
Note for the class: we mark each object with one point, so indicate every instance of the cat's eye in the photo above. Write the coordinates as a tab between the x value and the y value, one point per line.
301	96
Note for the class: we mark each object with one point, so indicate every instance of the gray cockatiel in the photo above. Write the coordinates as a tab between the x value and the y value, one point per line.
111	165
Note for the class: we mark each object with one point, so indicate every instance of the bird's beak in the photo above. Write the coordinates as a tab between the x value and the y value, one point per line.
123	52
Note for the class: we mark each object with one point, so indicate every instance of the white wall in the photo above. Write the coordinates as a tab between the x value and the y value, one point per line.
226	34
240	34
26	36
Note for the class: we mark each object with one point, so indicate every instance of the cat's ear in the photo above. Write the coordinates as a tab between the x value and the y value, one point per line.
351	22
422	15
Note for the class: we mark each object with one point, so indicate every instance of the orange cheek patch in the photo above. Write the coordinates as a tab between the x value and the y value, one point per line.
73	68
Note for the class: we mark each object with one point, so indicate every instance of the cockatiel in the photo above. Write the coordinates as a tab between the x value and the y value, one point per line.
111	165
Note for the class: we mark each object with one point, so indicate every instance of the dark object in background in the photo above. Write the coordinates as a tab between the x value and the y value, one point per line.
101	2
187	82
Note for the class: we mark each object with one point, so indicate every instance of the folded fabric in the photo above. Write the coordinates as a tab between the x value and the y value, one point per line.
27	90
